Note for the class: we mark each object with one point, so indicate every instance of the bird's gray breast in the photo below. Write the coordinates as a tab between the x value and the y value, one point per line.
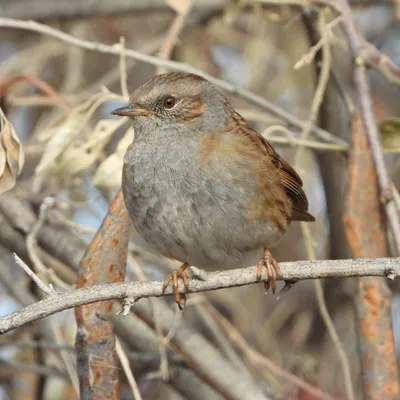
162	186
187	210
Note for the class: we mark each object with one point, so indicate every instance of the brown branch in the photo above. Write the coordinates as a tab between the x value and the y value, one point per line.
52	95
366	236
170	65
300	270
104	262
357	43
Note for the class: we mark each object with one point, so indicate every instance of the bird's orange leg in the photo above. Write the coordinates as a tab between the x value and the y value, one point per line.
180	273
272	267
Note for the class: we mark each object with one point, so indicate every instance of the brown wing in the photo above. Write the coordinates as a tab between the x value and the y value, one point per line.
292	183
290	179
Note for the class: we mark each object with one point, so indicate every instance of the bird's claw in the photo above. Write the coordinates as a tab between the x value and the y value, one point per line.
272	268
180	273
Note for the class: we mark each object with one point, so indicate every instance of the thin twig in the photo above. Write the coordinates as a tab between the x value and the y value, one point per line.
66	357
127	369
323	309
299	270
380	62
259	359
202	308
171	65
31	245
174	327
7	84
70	224
123	69
293	141
164	366
322	82
182	9
47	289
162	343
308	239
326	37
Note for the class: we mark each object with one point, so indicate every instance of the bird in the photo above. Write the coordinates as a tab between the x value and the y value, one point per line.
200	185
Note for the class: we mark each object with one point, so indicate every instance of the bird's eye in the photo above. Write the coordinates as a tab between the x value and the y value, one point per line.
169	102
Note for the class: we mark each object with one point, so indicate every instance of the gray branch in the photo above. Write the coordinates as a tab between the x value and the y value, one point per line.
293	271
45	9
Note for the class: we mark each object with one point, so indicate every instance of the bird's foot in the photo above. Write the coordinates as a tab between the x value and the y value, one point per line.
273	270
180	273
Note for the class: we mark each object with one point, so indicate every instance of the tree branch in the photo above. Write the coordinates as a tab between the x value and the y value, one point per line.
46	9
363	92
366	236
104	262
300	270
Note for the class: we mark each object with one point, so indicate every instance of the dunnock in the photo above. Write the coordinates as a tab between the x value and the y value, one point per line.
200	185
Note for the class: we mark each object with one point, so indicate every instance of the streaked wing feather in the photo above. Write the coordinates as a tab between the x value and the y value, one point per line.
289	177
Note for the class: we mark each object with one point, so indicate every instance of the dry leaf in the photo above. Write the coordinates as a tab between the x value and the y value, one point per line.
108	175
390	133
11	154
62	137
80	157
102	133
65	130
75	160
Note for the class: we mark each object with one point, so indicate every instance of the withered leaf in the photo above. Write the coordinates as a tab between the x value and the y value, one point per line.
108	174
80	157
75	160
62	134
11	154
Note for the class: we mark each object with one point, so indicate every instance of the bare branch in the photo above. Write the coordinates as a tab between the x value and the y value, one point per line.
366	236
123	358
362	87
295	271
104	262
45	9
380	62
48	290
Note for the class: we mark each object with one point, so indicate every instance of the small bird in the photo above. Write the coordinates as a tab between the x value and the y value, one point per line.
201	185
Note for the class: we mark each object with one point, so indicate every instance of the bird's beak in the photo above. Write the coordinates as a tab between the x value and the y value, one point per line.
132	110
